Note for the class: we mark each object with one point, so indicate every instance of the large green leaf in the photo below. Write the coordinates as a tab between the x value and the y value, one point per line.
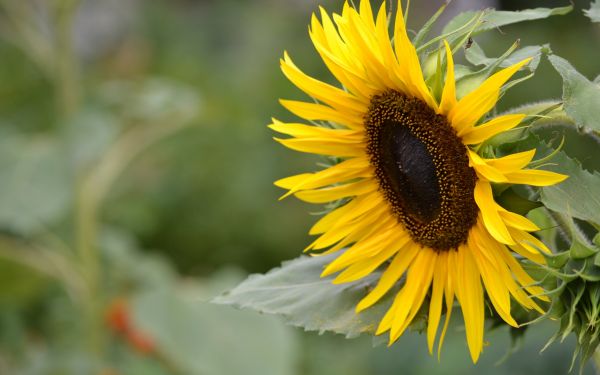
476	56
594	12
298	293
579	195
204	339
35	191
193	336
580	96
578	144
491	19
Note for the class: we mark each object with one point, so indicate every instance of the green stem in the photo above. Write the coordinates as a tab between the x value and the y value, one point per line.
85	223
17	28
596	361
68	101
46	261
67	67
91	193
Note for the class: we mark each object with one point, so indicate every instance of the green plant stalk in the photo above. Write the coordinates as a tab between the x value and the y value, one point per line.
68	101
45	261
596	361
91	192
67	67
17	28
85	227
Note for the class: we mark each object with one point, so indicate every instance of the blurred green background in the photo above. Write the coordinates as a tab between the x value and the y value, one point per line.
136	176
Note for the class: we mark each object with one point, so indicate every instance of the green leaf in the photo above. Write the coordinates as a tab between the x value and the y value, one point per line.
580	96
199	338
579	195
594	12
578	143
476	56
516	203
427	26
497	18
304	299
36	183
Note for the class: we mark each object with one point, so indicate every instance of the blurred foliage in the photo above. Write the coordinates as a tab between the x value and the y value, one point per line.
135	166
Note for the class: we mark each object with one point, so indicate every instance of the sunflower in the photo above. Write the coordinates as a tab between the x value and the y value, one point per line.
409	190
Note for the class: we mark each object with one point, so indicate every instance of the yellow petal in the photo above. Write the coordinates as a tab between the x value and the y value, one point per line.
375	222
517	221
437	295
361	44
524	279
531	243
344	171
337	192
370	203
474	105
410	67
472	135
471	301
331	49
417	285
449	297
449	94
332	236
494	284
311	131
513	162
390	276
290	182
387	52
321	91
366	248
535	177
353	80
363	268
489	212
320	112
484	170
325	146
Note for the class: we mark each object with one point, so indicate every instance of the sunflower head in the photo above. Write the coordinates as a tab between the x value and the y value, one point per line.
412	194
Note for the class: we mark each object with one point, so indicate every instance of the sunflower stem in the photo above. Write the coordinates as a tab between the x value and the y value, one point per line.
596	361
67	67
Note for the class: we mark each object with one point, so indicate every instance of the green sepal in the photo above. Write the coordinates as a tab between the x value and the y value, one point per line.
574	267
591	272
580	251
557	261
597	259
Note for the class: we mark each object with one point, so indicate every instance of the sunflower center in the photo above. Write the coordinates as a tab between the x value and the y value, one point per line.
423	170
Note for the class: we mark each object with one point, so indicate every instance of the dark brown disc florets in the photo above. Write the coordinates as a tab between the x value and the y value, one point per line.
423	170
